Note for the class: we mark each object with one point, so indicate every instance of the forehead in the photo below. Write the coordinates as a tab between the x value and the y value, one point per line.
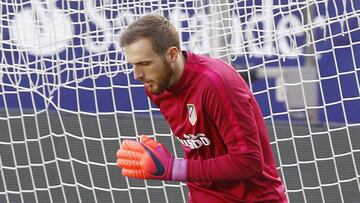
139	50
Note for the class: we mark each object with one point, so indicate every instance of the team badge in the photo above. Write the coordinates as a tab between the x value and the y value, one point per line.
192	113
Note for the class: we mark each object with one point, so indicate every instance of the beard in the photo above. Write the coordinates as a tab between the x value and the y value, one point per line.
163	81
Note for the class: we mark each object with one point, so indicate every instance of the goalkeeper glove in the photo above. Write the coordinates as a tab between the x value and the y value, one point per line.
149	159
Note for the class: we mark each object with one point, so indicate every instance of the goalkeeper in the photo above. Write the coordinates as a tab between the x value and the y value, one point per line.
212	112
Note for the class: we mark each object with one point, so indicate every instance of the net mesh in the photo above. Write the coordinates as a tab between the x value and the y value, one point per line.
68	98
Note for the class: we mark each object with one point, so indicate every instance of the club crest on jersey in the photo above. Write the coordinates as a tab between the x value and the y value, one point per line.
192	113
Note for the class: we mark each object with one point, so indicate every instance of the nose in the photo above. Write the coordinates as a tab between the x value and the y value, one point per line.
138	73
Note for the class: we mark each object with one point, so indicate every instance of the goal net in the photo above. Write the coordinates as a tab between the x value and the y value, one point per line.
68	98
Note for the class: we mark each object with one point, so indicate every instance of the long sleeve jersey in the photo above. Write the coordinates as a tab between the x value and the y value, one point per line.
222	132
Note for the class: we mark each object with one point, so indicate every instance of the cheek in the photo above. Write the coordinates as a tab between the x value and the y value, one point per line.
158	72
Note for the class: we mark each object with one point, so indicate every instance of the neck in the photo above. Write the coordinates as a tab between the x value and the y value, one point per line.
178	69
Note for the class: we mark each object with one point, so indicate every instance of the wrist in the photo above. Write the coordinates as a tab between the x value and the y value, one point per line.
179	170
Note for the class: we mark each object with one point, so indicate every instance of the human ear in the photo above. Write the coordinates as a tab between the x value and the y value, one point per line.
172	54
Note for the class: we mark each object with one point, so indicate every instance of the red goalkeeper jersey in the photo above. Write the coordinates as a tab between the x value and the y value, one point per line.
222	132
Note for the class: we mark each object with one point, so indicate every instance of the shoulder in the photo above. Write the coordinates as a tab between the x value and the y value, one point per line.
221	80
208	73
208	69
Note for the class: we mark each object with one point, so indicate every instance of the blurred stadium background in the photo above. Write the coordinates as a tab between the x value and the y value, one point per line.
67	96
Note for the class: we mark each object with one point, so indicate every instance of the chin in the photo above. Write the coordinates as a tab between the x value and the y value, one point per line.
157	90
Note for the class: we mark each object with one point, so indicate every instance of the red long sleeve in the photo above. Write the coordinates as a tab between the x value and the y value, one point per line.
230	108
222	133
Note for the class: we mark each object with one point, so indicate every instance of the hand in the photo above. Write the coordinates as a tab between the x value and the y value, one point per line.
147	159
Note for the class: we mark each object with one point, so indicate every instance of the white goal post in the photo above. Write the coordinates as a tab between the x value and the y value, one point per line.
68	98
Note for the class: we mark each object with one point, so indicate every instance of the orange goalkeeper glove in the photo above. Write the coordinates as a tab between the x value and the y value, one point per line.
149	159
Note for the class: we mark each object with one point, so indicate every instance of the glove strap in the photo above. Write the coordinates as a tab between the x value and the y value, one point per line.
179	171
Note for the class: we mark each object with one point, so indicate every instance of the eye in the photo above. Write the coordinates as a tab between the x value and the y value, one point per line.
145	63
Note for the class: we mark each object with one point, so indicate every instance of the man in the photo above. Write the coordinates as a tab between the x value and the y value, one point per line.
212	112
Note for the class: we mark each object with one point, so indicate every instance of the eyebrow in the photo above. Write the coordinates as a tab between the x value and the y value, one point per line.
139	62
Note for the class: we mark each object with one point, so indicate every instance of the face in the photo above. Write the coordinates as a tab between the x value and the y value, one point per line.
148	66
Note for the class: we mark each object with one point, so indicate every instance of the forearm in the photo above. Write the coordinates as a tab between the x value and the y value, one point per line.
229	167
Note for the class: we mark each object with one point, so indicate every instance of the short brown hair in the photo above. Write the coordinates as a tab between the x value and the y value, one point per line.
158	29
